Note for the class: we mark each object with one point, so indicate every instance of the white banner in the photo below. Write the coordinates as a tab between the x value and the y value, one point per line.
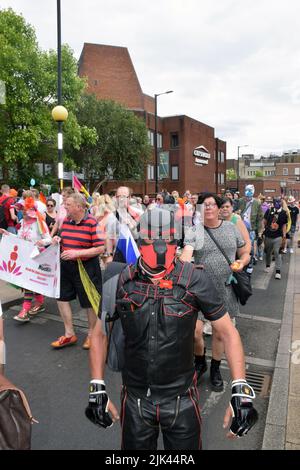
22	264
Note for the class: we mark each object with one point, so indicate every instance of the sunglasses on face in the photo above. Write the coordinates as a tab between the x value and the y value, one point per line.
50	205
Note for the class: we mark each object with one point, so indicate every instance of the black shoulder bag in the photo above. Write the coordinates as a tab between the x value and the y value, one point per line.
241	282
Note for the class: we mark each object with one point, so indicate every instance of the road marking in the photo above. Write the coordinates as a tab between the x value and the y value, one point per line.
256	361
255	317
212	400
262	280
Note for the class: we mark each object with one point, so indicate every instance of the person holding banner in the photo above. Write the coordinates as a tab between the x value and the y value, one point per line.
81	246
32	228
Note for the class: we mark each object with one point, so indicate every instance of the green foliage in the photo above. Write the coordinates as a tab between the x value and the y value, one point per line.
231	174
259	174
101	137
28	133
117	143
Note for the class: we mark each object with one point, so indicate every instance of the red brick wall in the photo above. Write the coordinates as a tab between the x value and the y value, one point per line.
111	74
149	104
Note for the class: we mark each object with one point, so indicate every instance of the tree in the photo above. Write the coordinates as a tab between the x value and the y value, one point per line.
231	174
27	130
259	174
118	148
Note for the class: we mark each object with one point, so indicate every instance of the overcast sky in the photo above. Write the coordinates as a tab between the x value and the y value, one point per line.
232	64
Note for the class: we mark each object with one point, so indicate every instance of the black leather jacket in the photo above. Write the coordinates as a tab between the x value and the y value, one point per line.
159	324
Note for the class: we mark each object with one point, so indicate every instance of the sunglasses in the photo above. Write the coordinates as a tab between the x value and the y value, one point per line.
50	205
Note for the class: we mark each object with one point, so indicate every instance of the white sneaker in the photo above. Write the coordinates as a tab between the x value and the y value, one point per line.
284	251
291	250
277	276
260	258
267	269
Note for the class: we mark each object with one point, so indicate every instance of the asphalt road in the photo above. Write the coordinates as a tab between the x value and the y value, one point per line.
56	381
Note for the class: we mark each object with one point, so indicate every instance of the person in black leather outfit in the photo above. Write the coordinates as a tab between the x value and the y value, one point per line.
157	301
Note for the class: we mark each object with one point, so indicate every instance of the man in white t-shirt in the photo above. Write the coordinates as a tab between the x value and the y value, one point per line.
61	212
41	207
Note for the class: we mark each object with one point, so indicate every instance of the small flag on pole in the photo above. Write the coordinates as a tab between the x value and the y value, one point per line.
42	198
77	185
126	249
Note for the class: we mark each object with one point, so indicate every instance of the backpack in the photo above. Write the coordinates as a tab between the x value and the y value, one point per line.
15	417
3	221
111	322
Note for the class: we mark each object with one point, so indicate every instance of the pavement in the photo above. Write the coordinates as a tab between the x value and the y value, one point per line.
279	424
282	428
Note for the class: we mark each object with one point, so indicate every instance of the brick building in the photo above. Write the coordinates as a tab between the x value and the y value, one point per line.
111	75
278	174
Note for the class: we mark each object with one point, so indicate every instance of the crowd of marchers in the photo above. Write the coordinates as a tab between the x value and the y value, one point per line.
173	270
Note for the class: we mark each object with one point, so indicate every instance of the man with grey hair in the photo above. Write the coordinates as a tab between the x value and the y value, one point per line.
79	240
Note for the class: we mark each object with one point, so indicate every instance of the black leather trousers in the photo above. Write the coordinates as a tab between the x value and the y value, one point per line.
179	420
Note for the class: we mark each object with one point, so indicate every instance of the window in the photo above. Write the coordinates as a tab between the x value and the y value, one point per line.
159	141
175	173
174	140
40	169
151	137
150	172
285	171
48	169
221	157
221	178
297	171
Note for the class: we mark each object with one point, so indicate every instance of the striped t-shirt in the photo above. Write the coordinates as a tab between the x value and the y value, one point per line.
80	236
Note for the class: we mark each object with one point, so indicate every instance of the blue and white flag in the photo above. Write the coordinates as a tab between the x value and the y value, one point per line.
126	249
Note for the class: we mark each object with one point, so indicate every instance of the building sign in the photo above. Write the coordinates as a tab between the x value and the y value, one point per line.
201	155
270	190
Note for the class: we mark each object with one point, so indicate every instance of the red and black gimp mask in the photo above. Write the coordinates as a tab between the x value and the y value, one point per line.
157	243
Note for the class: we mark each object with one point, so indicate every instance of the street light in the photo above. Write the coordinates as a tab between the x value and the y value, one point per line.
59	113
238	166
155	138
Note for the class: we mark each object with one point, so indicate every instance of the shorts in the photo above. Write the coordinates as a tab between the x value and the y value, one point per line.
70	282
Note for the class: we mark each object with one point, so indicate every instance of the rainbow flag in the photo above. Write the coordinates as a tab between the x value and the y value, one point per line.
77	185
42	198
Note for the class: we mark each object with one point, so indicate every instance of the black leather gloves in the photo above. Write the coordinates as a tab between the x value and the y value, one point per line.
244	414
97	409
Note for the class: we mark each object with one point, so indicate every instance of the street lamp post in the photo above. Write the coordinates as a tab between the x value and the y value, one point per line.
238	166
155	138
59	113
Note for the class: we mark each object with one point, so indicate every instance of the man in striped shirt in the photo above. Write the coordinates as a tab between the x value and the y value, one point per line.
79	240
